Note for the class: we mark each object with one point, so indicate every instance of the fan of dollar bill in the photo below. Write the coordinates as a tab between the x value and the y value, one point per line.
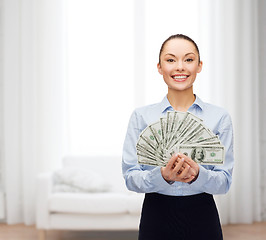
179	132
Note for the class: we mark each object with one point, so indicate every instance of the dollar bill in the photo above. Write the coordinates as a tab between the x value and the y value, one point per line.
200	133
155	129
163	129
177	121
208	141
187	123
204	154
177	132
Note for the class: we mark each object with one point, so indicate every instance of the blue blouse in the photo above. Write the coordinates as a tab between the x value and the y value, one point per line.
211	179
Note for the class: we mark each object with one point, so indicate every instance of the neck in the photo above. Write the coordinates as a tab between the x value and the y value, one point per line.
181	100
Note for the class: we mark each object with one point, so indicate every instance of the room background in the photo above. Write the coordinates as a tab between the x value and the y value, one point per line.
64	73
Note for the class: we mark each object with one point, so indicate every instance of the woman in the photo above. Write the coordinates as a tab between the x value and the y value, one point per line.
179	200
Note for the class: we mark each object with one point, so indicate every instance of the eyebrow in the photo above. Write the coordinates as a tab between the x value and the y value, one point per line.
185	54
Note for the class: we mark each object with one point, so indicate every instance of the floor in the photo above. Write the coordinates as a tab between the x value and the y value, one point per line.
256	231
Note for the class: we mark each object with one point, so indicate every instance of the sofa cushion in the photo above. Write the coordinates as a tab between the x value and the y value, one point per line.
77	179
134	203
94	203
108	167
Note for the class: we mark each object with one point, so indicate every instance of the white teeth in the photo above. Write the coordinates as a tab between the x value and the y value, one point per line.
179	77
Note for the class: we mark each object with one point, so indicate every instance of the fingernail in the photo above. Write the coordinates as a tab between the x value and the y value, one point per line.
183	159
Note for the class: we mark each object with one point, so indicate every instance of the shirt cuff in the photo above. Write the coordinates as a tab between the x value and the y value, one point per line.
201	179
158	180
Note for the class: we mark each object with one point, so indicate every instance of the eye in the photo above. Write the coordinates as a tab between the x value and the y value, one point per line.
189	60
170	60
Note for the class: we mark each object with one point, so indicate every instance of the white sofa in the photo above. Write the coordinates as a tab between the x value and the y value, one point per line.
115	209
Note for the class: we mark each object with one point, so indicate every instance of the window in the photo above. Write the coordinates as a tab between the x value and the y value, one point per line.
113	49
100	75
162	19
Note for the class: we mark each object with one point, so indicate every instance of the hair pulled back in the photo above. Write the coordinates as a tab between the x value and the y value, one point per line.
178	36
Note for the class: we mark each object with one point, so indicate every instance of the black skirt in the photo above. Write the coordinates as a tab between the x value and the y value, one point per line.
179	218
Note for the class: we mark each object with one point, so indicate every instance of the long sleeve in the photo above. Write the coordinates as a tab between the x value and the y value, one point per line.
213	179
137	179
217	179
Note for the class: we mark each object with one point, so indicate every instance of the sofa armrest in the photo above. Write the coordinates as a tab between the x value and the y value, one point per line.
44	191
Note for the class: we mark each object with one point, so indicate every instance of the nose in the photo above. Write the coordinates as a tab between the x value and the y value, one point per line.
180	66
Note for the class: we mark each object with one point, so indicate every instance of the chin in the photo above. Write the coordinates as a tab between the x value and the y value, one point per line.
179	89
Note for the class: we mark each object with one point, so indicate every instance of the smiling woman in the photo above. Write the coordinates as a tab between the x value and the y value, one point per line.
174	191
179	63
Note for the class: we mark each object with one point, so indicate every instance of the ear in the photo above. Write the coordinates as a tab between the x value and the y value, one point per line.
159	68
200	67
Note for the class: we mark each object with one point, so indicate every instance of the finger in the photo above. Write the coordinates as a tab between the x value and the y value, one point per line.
178	166
184	173
187	180
188	160
182	167
183	156
192	171
177	160
172	162
185	164
192	163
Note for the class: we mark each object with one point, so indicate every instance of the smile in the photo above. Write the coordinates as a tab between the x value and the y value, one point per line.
180	78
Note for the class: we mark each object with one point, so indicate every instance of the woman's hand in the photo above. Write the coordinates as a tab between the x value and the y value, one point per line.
180	168
194	167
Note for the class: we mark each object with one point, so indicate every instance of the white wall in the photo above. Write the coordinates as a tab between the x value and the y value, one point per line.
2	212
1	86
262	97
262	73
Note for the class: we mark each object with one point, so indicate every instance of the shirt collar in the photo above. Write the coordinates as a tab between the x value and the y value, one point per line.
165	104
198	102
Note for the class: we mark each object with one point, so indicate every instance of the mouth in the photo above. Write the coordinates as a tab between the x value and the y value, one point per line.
180	77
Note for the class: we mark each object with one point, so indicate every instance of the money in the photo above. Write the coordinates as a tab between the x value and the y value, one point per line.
179	132
203	154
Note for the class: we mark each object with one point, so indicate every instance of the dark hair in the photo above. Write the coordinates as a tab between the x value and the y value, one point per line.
180	36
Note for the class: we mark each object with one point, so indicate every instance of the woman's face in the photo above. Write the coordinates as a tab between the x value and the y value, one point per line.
179	64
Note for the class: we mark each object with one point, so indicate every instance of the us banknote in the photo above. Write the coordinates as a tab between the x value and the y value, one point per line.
179	132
